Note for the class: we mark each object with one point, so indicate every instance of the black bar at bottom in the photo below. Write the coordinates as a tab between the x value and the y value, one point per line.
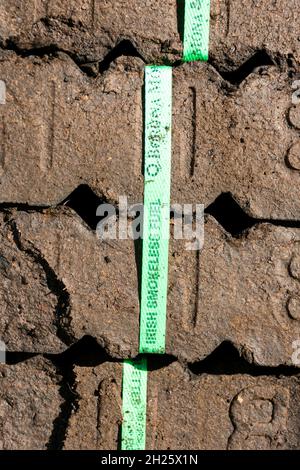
135	459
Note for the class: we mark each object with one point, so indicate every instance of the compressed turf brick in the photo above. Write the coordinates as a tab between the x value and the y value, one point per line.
244	290
189	412
30	401
235	139
100	415
99	279
29	297
89	29
61	128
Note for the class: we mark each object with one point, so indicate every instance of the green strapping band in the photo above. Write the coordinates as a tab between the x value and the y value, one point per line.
196	30
133	435
156	224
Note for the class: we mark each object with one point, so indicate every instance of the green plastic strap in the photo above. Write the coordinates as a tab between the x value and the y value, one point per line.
196	30
156	224
133	435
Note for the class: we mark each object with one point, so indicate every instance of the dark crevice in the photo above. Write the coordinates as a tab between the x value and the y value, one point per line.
123	48
68	393
50	50
138	253
88	353
235	77
82	200
226	360
224	209
62	312
126	48
119	437
85	353
13	358
235	220
85	202
280	222
8	206
230	215
180	18
159	361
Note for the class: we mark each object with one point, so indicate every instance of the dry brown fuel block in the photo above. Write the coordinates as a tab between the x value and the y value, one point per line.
189	412
91	28
60	128
30	302
30	401
96	285
244	290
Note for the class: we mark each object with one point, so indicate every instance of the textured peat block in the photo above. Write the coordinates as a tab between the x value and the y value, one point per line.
189	412
28	298
91	28
243	290
60	128
30	402
96	292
